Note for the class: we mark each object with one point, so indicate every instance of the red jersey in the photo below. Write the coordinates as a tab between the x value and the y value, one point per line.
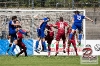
19	35
61	26
20	43
50	32
69	31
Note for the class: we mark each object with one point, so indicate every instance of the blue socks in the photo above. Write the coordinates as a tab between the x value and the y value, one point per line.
13	47
37	43
44	45
79	37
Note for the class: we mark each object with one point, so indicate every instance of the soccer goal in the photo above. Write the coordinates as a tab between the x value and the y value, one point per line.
54	16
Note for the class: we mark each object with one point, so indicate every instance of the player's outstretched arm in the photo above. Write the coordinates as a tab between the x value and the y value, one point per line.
72	21
41	21
55	26
15	24
89	19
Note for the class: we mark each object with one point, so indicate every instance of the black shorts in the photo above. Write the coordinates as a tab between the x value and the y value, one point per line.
13	37
49	39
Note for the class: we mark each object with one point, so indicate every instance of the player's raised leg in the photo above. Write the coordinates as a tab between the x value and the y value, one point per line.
79	37
37	44
44	45
14	46
23	49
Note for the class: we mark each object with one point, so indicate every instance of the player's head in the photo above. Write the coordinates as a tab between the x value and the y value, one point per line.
18	28
49	26
48	19
14	18
17	22
76	12
61	18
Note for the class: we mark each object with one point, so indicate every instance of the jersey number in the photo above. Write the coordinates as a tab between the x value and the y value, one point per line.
61	25
78	17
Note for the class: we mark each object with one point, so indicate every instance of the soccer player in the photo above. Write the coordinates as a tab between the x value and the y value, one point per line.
49	37
41	34
60	34
72	41
21	30
20	43
12	33
77	24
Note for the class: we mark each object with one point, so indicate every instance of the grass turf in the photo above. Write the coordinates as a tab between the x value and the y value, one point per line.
43	61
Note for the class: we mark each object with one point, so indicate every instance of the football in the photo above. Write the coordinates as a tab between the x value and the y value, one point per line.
97	47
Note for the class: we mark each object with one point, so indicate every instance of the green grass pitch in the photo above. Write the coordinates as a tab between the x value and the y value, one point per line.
43	61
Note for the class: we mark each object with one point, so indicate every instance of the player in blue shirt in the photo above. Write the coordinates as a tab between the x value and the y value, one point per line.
12	32
77	24
41	34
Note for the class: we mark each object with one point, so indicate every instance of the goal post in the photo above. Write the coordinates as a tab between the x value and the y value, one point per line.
54	15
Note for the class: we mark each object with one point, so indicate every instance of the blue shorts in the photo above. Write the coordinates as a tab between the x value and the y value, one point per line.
13	37
77	26
40	33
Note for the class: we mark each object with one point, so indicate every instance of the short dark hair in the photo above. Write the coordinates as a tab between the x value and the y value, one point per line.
61	18
48	18
14	17
18	21
19	26
76	12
